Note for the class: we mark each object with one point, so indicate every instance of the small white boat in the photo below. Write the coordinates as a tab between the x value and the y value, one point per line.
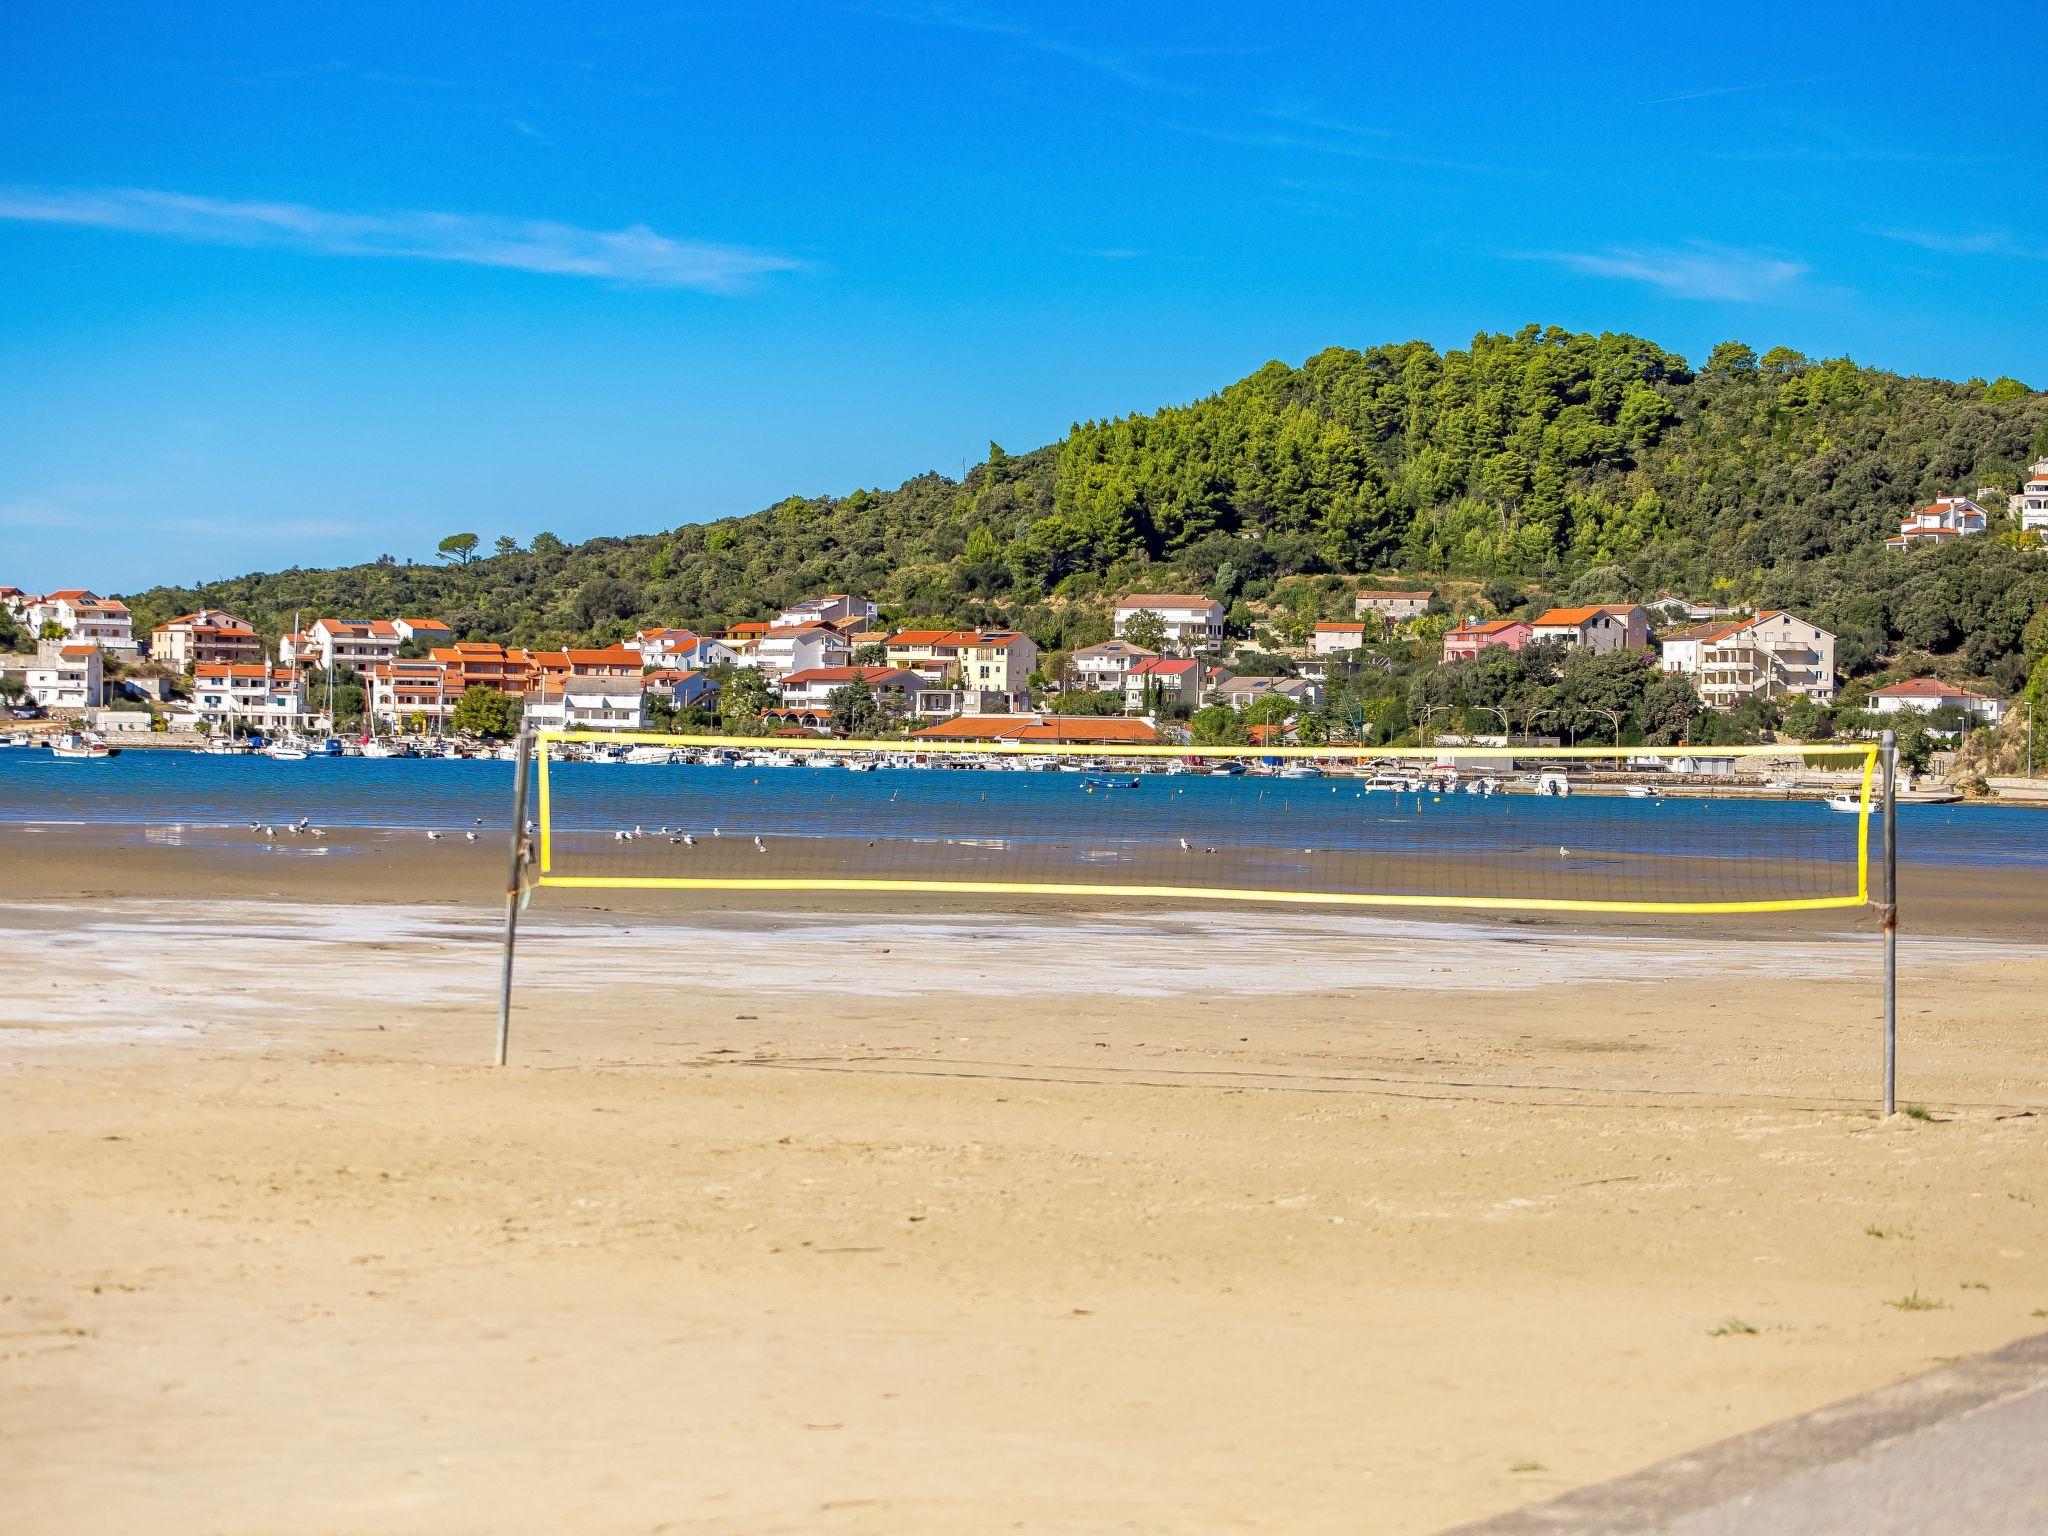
650	755
1849	800
1644	792
1229	768
376	748
777	759
80	746
1392	783
858	762
1301	771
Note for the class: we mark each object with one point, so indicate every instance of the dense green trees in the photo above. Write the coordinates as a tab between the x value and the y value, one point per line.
484	711
1543	462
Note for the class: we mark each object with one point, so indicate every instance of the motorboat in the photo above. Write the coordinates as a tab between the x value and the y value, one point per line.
1101	781
287	749
1643	792
1301	771
650	756
1229	768
81	746
1846	800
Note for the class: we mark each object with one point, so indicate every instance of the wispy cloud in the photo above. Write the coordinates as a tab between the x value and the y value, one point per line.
1748	88
1982	242
989	23
635	255
1323	143
1698	271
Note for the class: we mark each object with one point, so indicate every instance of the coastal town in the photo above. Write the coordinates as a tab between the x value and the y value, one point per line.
1173	669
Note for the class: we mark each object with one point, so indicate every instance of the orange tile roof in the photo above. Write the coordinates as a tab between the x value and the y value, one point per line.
1166	600
1080	729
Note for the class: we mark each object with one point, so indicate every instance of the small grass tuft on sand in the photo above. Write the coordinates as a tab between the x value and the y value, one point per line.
1730	1327
1913	1301
1528	1466
1874	1230
1918	1112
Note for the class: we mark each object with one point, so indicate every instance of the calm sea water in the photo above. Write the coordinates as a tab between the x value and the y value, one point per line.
199	791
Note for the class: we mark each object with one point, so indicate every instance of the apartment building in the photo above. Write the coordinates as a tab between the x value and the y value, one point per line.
593	703
783	649
1192	622
1341	636
1103	667
680	648
248	696
814	687
1770	655
358	644
204	638
1928	694
404	687
1164	680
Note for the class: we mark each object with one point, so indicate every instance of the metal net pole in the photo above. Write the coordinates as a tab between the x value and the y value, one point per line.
1890	910
513	878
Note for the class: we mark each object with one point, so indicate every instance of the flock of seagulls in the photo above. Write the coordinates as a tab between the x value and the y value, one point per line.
303	827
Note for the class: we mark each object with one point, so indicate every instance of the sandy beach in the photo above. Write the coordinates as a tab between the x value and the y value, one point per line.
844	1217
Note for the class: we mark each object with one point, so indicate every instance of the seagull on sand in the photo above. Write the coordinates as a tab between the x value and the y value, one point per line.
1563	852
470	835
1183	845
759	846
433	837
271	833
689	840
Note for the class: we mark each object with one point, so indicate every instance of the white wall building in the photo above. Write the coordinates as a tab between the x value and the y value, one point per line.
1192	622
1943	519
1391	606
85	617
1334	639
681	648
248	696
2030	505
67	675
588	704
1928	694
1103	667
327	643
798	648
834	608
1772	655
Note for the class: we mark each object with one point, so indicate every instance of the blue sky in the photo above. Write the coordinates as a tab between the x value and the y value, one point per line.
311	283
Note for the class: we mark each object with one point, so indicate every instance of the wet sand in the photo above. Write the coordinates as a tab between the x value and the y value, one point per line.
860	1217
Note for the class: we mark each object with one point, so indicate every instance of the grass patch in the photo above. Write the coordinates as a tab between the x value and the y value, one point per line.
1729	1327
1975	1285
1917	1112
1528	1466
1874	1230
1913	1301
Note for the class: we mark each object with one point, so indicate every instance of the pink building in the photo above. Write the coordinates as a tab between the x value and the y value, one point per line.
1468	640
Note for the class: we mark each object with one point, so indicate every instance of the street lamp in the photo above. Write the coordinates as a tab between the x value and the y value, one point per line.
1506	730
1612	714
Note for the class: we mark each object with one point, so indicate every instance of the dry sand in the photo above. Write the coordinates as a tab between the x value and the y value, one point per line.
911	1221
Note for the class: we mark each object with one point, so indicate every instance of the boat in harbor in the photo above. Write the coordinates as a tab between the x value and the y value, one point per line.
81	746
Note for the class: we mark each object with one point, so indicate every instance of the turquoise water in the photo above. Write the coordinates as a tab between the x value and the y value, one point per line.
200	791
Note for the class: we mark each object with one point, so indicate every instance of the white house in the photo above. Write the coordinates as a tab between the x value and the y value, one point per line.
1240	692
67	675
782	650
1103	667
1192	622
681	648
683	687
1945	518
327	643
588	704
813	689
1772	654
1928	694
2030	505
85	617
426	631
248	695
207	635
1334	639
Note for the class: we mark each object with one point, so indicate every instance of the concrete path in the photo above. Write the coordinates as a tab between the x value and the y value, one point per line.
1961	1448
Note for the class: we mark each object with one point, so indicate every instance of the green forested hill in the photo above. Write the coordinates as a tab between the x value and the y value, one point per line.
1539	464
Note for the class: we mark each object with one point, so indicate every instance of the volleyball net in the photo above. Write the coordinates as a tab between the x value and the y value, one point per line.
1676	830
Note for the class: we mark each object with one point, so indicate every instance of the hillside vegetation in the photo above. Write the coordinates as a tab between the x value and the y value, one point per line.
1534	466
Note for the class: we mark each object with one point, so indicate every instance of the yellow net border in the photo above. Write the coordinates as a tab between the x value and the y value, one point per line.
1868	752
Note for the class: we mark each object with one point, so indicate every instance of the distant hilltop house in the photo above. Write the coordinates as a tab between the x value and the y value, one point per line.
2030	503
1192	622
1391	605
1102	668
1770	655
1928	694
85	617
1603	627
1673	609
1945	518
1471	637
204	637
837	609
1043	730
